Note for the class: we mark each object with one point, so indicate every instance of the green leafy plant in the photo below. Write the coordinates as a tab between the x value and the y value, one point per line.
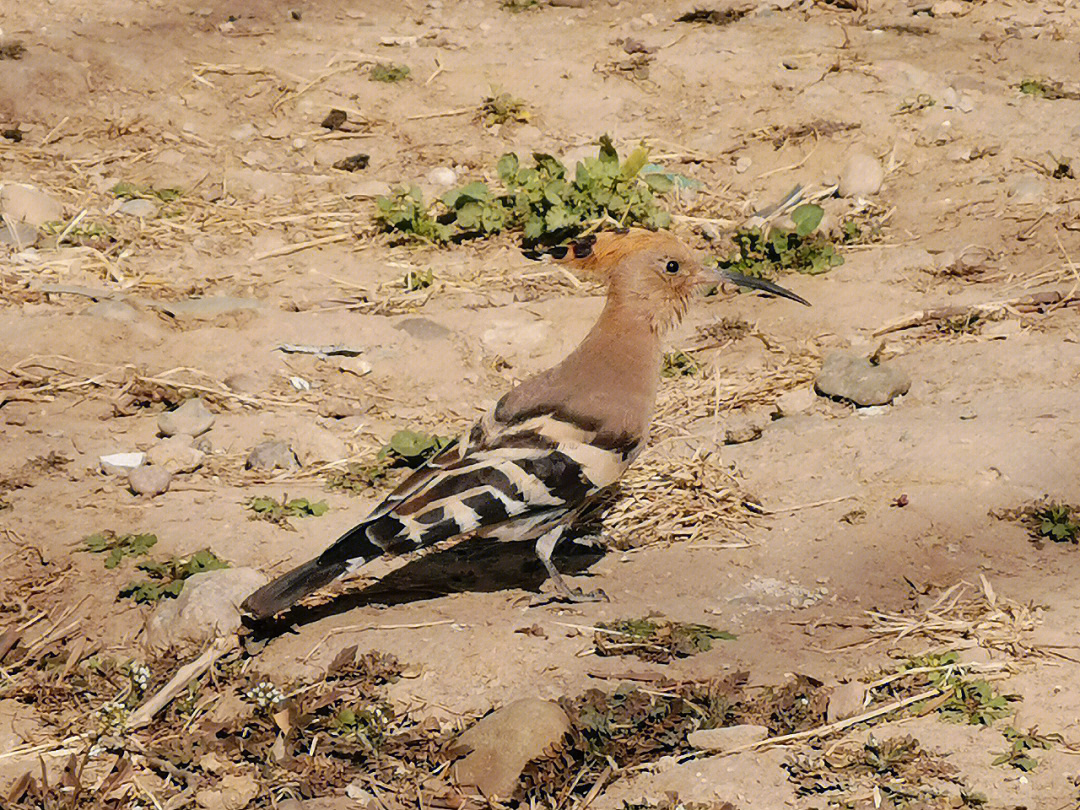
503	108
679	364
764	254
167	577
130	191
1047	89
119	545
388	72
267	508
412	448
972	701
545	202
364	724
357	477
1058	523
1021	745
656	639
418	280
404	211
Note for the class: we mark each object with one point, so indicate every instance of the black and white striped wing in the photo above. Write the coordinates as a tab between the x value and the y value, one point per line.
523	475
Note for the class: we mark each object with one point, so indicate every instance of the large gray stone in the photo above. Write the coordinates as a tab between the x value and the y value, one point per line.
507	740
272	455
176	454
149	481
862	176
850	376
190	418
18	234
208	606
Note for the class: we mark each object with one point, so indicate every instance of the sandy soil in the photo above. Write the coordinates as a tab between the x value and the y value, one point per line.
224	101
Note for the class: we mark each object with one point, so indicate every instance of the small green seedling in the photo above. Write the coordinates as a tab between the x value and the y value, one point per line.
503	108
274	511
418	280
404	211
130	191
1046	89
765	254
412	448
119	545
357	477
656	639
389	73
167	578
1057	522
679	364
1021	745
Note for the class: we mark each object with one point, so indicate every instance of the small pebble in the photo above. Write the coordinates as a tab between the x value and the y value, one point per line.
149	481
138	208
742	164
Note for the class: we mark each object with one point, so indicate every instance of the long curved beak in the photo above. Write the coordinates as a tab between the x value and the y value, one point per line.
757	284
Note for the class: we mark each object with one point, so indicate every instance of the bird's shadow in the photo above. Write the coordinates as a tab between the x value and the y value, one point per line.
475	565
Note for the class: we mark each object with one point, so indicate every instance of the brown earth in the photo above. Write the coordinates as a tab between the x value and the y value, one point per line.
224	101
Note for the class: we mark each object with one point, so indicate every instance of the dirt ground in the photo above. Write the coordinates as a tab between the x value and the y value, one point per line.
865	510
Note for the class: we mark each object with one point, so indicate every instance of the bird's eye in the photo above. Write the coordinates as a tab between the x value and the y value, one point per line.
671	267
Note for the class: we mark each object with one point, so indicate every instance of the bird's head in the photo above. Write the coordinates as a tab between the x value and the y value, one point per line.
653	271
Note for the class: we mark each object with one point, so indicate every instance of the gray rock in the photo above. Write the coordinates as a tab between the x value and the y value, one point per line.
846	701
422	328
175	454
121	463
149	481
726	739
191	418
852	377
273	455
314	443
28	204
207	606
744	427
210	307
862	176
504	742
18	234
139	208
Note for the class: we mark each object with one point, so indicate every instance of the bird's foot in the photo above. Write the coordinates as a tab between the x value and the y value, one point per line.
572	596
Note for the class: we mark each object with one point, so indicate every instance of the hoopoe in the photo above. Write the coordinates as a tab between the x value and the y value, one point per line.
529	467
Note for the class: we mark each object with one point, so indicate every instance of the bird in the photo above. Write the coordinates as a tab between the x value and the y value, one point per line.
537	459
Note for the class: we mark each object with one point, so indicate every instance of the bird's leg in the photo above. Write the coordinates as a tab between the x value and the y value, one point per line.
544	548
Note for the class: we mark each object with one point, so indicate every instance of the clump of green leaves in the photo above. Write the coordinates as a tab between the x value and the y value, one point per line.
860	231
656	639
265	507
503	108
679	364
972	701
404	212
119	545
366	725
358	477
1047	89
130	191
764	254
519	5
545	202
167	577
418	280
1021	744
412	448
1046	520
389	73
1058	522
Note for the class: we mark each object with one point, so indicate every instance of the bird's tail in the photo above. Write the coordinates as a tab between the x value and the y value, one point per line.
351	549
